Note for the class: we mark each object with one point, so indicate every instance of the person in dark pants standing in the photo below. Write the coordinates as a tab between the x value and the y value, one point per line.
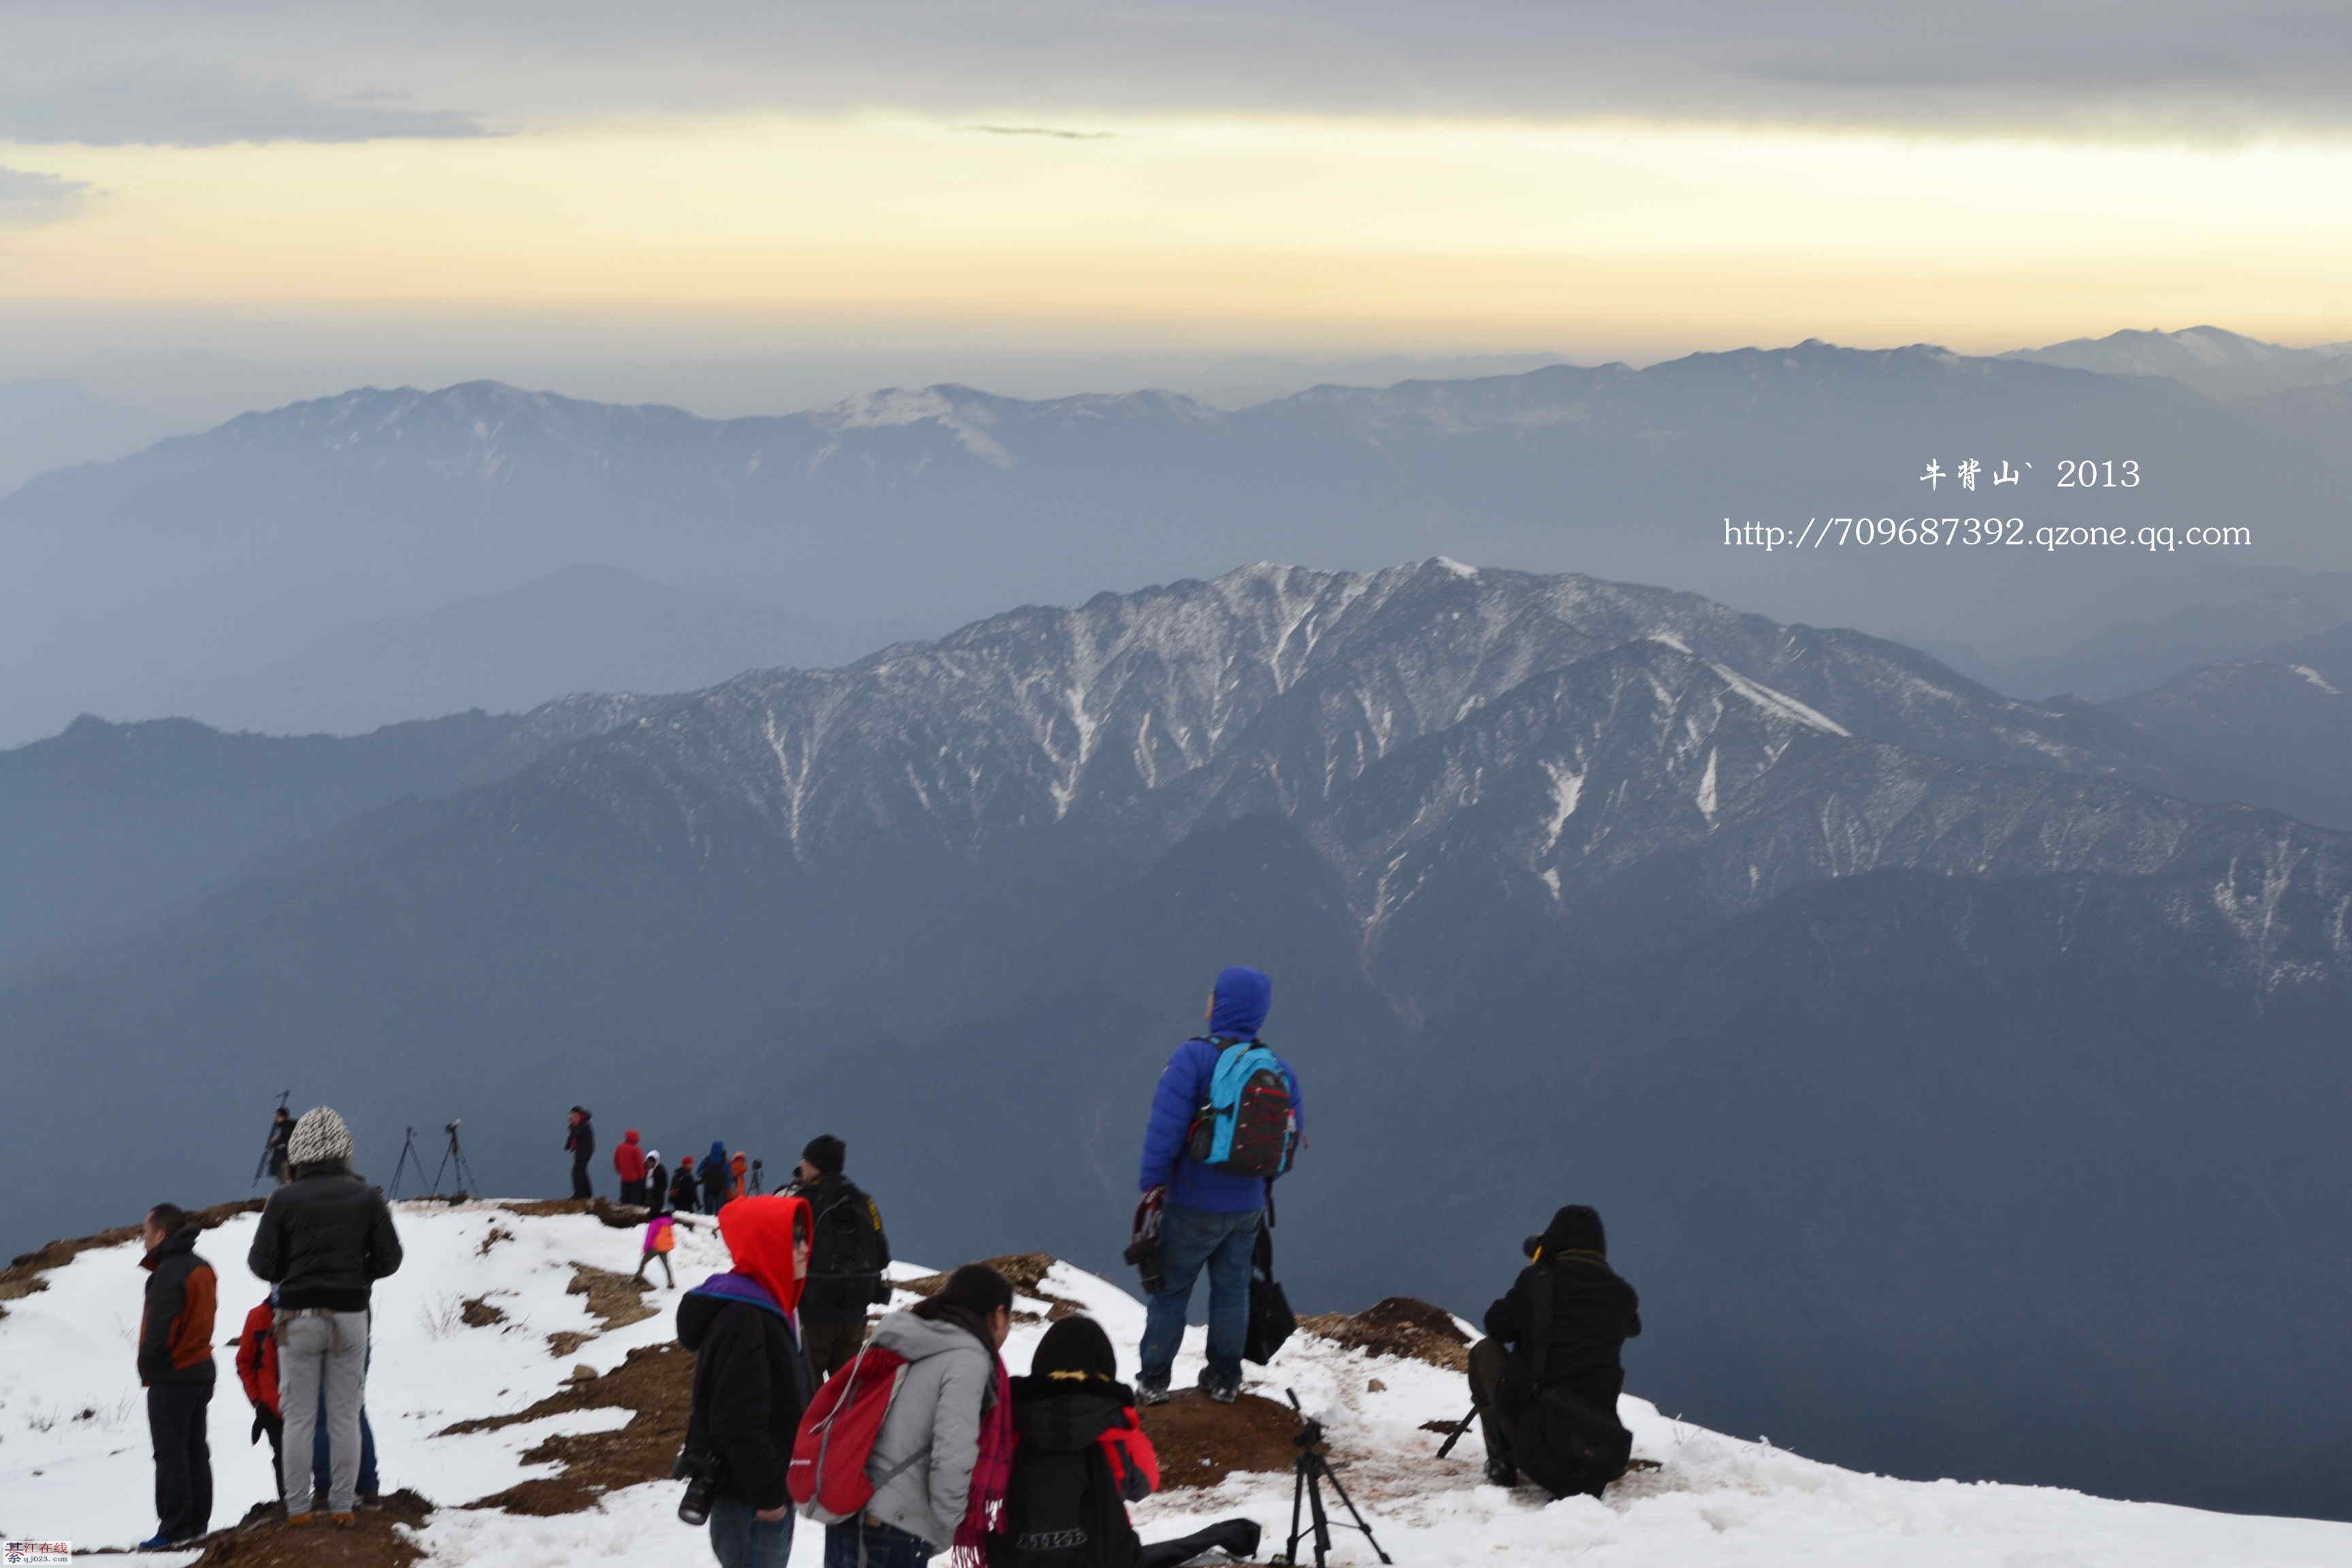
1213	1216
847	1261
581	1142
175	1364
751	1378
281	1128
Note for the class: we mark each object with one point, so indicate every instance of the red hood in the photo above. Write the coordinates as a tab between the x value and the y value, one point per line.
758	1236
630	1136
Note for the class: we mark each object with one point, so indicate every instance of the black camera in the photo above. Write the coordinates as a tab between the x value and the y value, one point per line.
451	1125
703	1474
1531	1247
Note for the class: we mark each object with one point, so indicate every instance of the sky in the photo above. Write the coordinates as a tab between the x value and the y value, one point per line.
520	189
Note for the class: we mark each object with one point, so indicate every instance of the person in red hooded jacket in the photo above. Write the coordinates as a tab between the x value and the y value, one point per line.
629	1164
750	1377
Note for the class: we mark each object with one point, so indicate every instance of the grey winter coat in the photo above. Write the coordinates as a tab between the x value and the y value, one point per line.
933	1427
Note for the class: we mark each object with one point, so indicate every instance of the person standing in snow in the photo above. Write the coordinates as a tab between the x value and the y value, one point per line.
257	1369
943	1459
847	1261
739	1175
629	1164
751	1378
175	1366
1211	1217
714	1178
281	1128
580	1143
1547	1378
683	1188
656	1181
324	1239
661	1236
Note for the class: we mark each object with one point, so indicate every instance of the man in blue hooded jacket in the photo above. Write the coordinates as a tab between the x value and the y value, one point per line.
1211	1217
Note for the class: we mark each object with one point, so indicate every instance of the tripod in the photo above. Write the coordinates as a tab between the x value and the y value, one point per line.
407	1157
455	1152
269	1143
1458	1432
1312	1471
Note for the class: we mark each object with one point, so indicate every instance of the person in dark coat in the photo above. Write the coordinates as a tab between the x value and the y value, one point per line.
1081	1457
581	1141
324	1239
750	1377
281	1128
1568	1365
656	1182
683	1188
175	1364
847	1263
714	1178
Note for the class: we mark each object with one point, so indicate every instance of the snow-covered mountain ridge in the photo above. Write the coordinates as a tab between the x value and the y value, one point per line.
1542	736
445	1368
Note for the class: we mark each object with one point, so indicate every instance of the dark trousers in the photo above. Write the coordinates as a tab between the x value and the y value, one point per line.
1591	1449
580	1187
661	1258
858	1544
184	1459
1238	1536
633	1194
831	1345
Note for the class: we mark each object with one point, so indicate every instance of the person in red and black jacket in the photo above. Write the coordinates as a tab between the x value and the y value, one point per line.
175	1364
1081	1457
629	1164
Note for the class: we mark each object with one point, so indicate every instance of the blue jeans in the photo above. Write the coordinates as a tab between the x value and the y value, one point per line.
740	1539
1190	1239
861	1545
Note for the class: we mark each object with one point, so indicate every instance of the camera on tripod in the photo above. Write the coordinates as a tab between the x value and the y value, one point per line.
1312	1470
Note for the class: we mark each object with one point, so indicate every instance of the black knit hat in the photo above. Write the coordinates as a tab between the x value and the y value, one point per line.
826	1152
1575	1229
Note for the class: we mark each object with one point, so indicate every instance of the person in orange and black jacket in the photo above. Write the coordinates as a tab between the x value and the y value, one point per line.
1581	1444
750	1377
175	1364
1081	1457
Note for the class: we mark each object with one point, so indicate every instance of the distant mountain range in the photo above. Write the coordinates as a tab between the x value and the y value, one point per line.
925	508
1894	1023
2218	363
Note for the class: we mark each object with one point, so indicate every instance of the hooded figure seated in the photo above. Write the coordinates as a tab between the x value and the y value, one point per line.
1079	1459
1546	1378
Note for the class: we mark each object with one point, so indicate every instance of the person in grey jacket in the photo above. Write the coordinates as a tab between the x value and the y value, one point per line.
931	1442
324	1239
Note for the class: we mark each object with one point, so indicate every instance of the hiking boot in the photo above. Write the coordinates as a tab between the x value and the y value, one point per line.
305	1517
1148	1391
346	1520
1224	1391
158	1542
1502	1473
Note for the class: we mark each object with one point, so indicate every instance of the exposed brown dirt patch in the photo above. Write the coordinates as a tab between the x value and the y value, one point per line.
617	1300
1202	1442
656	1385
1399	1326
566	1341
496	1234
22	1277
374	1541
478	1313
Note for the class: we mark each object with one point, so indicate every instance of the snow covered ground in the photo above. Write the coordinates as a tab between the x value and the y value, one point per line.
74	1459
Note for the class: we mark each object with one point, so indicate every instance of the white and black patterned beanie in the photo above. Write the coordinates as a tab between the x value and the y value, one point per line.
319	1135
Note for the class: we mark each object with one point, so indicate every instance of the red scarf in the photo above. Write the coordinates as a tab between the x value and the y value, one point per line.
992	1477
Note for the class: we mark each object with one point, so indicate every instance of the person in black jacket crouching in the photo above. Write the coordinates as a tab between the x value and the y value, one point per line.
324	1239
1547	1378
751	1378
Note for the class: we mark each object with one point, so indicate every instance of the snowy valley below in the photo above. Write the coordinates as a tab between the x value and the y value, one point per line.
506	1310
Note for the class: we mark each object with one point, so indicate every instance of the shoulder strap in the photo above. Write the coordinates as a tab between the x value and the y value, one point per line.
1540	1333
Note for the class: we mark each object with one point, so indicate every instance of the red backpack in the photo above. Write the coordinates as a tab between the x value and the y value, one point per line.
827	1476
